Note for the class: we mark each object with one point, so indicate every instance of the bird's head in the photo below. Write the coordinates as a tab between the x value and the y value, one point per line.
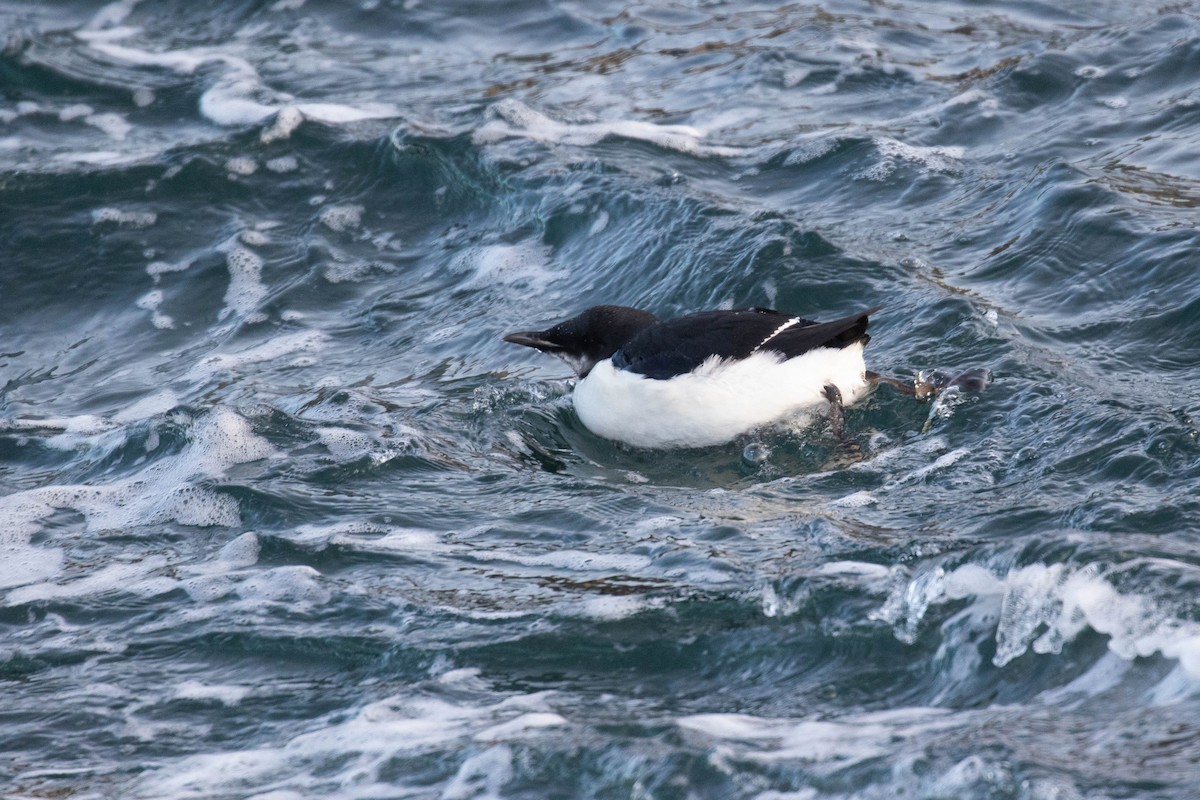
587	339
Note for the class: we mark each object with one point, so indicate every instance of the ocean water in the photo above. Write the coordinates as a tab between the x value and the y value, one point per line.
281	517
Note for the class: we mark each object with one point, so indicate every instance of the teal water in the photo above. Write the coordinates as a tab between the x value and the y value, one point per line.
282	517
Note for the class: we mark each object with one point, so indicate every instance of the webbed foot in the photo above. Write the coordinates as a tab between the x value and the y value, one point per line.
930	383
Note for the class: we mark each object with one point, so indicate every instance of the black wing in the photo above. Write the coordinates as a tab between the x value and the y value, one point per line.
678	346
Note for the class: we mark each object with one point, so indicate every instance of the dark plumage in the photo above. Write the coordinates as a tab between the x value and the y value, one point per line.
680	345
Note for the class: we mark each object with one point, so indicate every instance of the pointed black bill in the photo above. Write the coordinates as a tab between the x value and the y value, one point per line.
534	339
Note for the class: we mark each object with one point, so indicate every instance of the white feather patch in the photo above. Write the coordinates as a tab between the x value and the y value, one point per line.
717	401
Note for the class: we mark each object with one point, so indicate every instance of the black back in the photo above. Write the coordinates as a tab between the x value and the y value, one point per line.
678	346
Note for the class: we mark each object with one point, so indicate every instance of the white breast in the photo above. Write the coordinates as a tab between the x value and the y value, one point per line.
718	401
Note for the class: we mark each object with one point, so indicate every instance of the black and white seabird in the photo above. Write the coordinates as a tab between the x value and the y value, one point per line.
705	378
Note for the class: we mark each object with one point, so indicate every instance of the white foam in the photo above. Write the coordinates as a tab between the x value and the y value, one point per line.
524	263
339	114
287	120
246	289
241	165
283	164
82	425
181	61
354	271
271	350
599	224
341	218
242	551
359	752
232	101
1042	607
150	302
224	694
234	97
291	584
928	159
126	219
843	742
481	776
114	125
511	118
107	158
575	560
167	490
155	269
461	676
854	568
23	564
345	444
614	607
407	540
854	500
110	579
254	238
516	728
75	111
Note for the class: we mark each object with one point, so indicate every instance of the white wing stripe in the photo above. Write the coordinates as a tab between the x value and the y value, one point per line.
776	332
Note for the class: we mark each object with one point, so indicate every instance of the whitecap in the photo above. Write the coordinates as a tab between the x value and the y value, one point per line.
238	97
24	564
523	724
225	694
75	111
928	159
1042	607
524	263
170	489
341	218
512	118
287	120
125	219
110	579
283	164
287	344
246	289
241	165
360	749
112	124
150	302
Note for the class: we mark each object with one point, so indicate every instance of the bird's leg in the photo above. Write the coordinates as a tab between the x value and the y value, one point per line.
837	416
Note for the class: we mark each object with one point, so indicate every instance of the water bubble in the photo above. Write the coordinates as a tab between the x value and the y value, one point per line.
755	454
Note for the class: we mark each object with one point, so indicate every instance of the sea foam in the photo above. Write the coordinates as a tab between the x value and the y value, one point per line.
512	118
1042	607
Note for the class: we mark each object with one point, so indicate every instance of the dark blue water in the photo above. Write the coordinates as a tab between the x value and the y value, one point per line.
282	517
